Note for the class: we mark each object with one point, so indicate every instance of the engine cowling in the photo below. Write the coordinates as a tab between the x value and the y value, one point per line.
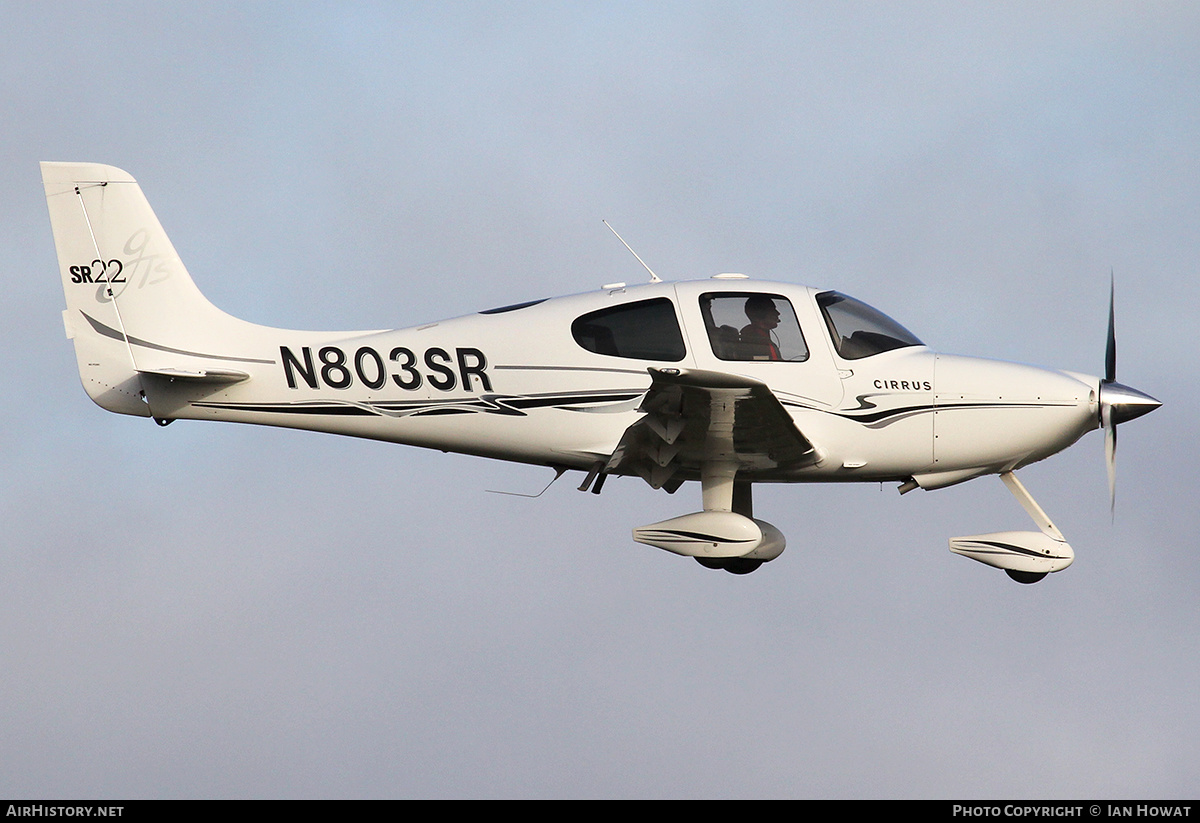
714	534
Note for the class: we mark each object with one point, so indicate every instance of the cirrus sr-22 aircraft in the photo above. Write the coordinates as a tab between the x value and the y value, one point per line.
726	381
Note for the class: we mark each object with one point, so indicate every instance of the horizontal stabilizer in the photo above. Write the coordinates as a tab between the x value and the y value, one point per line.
202	376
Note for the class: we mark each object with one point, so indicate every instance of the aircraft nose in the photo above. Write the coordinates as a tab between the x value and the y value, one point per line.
1124	402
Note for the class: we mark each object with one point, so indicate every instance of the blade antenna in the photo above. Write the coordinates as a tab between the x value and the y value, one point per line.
654	278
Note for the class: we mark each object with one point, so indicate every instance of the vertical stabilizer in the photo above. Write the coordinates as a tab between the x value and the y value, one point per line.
131	305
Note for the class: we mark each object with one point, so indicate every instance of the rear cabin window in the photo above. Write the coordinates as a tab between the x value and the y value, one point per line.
752	326
647	330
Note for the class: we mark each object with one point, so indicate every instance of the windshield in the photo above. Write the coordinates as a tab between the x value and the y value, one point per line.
860	331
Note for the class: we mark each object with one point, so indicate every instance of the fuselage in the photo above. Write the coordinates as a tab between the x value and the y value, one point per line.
556	382
726	381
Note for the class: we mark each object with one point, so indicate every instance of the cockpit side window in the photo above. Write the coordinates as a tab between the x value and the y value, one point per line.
752	326
646	330
860	331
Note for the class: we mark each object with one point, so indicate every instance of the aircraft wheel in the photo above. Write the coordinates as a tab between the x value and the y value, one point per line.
733	565
740	565
1025	577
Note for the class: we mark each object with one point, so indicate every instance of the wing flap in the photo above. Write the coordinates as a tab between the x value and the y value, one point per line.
693	416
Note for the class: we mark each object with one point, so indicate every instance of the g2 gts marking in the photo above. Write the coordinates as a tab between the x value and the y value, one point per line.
336	370
98	269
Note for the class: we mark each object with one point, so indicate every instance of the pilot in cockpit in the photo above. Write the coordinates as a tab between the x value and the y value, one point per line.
756	337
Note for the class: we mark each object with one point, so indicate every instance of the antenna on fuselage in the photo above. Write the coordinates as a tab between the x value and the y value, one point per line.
654	278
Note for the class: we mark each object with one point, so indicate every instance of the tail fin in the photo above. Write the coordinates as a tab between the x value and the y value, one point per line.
132	308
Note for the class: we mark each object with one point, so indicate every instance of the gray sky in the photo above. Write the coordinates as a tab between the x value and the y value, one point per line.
221	611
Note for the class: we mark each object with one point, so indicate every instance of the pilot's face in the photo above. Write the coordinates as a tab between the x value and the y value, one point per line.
768	318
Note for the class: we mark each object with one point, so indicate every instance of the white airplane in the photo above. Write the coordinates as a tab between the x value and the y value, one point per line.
726	381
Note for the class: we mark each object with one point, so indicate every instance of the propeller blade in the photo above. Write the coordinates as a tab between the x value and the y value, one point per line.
1110	454
1110	353
1106	408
